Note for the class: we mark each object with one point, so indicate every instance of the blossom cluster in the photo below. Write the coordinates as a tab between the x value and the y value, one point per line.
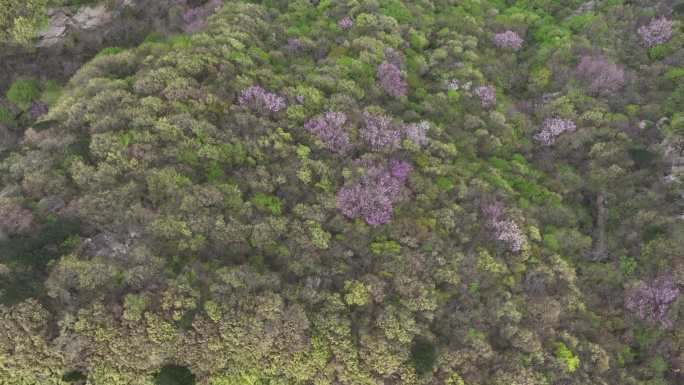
505	230
416	132
455	85
373	196
389	77
294	46
651	300
508	40
345	23
658	31
329	128
552	128
379	131
487	95
260	100
600	74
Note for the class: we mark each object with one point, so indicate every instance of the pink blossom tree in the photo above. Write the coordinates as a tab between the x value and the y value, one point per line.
486	94
389	77
552	128
600	74
658	31
258	99
329	128
504	229
379	131
507	40
345	23
652	300
373	196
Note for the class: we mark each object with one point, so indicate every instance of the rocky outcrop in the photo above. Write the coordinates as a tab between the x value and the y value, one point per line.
63	19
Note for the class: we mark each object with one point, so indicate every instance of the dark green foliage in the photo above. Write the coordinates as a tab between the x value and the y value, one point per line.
423	355
74	376
175	375
642	157
27	256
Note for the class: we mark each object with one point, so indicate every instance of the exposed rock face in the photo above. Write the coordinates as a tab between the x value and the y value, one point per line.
73	36
62	20
56	29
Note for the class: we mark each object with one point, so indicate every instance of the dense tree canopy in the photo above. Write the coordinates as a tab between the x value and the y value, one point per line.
476	192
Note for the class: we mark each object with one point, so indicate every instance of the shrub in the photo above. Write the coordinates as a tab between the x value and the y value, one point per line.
23	92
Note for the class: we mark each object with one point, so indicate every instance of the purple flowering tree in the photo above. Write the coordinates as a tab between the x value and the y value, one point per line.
389	77
329	128
294	46
400	169
504	229
345	23
373	196
416	132
486	94
651	301
508	40
552	128
258	99
599	74
658	31
379	131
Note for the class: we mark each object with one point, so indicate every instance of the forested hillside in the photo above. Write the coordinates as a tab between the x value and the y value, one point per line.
449	192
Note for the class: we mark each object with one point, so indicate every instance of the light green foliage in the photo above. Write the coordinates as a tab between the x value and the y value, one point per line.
19	21
356	293
566	356
23	92
487	263
51	92
628	265
319	237
385	247
134	306
267	203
